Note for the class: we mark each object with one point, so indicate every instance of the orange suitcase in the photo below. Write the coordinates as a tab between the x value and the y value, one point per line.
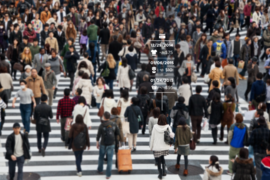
124	161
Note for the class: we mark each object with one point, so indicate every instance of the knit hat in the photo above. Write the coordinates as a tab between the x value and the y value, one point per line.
27	67
16	125
47	65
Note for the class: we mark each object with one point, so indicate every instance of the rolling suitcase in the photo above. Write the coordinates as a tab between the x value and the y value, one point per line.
124	160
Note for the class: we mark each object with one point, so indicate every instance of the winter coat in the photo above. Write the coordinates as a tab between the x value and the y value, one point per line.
266	38
84	111
84	70
118	122
75	130
147	30
132	60
186	92
258	88
87	88
265	167
243	169
252	72
60	39
256	17
230	71
114	48
44	17
212	173
157	142
182	137
215	74
245	53
123	77
216	113
197	105
71	61
108	104
45	111
179	107
84	39
30	33
237	134
53	43
123	104
37	86
132	113
10	54
253	32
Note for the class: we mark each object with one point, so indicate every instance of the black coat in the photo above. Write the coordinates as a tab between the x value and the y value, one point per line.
114	48
10	144
61	39
203	54
132	61
104	35
22	46
43	37
243	169
139	79
14	35
159	103
216	113
112	75
159	22
178	59
147	31
131	112
253	32
197	105
45	111
72	61
149	88
210	16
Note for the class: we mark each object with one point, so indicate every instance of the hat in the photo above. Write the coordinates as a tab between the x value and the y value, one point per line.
16	125
136	24
27	67
47	65
254	59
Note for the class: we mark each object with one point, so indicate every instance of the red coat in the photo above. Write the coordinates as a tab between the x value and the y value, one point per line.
157	11
31	34
247	10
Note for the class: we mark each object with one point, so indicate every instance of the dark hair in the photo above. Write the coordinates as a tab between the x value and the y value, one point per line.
66	92
260	112
216	97
81	100
216	58
114	111
23	81
268	147
80	73
217	64
106	115
143	67
124	62
156	112
130	48
135	101
44	97
198	89
169	83
261	121
162	120
124	93
79	119
230	97
85	76
230	61
243	153
215	83
83	65
259	75
214	162
108	93
79	91
102	80
85	55
238	118
232	80
181	99
105	24
182	122
143	90
185	80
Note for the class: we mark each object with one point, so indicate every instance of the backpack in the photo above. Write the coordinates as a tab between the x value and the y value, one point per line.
109	137
80	139
218	25
177	117
144	107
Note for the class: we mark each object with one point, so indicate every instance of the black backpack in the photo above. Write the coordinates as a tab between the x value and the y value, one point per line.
80	139
109	137
144	105
177	117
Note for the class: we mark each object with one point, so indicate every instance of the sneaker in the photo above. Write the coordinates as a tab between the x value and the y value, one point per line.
43	152
79	174
66	147
229	173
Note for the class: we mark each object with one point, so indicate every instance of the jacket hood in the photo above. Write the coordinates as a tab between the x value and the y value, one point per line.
86	81
180	106
131	53
213	171
161	129
109	102
54	59
244	161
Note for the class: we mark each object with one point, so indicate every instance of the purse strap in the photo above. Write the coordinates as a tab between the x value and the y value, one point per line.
85	113
134	111
119	102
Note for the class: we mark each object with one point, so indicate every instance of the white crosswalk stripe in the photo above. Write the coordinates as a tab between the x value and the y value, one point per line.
59	163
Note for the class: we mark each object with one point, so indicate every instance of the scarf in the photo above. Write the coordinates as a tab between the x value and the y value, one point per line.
28	74
209	53
46	74
256	45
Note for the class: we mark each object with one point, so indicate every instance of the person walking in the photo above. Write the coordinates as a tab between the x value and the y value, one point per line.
43	113
158	145
231	89
39	61
253	70
197	108
110	65
86	85
17	151
214	170
81	108
258	91
64	110
49	81
134	117
107	132
80	139
13	56
123	75
104	37
230	71
265	165
216	74
245	56
99	90
183	135
26	96
185	90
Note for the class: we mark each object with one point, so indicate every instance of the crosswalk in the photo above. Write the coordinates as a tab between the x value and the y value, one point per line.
59	163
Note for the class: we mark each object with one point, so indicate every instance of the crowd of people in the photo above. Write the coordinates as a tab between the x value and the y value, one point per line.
50	39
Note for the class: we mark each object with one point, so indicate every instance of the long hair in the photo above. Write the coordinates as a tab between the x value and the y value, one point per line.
27	57
232	80
214	162
111	61
70	30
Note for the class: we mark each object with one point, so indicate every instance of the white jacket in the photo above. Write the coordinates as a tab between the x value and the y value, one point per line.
256	18
157	138
78	109
185	91
212	173
87	88
121	103
122	77
108	104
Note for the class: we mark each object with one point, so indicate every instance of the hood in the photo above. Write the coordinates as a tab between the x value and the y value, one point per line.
244	161
213	171
161	129
86	81
109	102
54	59
131	53
180	106
113	117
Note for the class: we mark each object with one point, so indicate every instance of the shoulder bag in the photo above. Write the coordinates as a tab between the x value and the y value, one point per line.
106	71
119	107
131	73
137	116
93	101
18	66
43	121
101	109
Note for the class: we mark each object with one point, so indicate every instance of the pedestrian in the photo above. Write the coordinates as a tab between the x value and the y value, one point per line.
86	85
231	89
64	110
171	93
108	101
265	165
104	37
81	108
245	56
83	42
178	59
153	120
17	151
79	139
158	101
187	68
243	167
183	135
197	108
204	56
52	41
258	91
49	81
253	70
26	96
134	116
99	89
13	56
107	132
39	61
123	102
230	71
158	145
185	90
123	75
43	113
214	170
238	134
110	65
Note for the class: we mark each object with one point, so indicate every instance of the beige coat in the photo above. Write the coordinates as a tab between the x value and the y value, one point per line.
89	65
87	88
122	77
36	86
215	74
53	43
230	71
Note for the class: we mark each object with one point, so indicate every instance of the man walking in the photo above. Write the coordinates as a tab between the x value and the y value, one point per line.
39	60
49	81
92	31
104	37
258	91
17	150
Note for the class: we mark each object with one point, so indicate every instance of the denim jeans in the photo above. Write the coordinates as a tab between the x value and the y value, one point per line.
98	105
116	67
108	150
46	139
251	153
235	58
169	118
78	156
12	168
37	37
109	82
241	19
95	42
162	60
25	114
95	75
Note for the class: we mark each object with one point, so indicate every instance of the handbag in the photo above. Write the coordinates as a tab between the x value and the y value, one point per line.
101	109
131	73
206	79
18	66
137	116
60	66
241	64
68	123
192	145
167	138
146	50
93	101
193	77
106	71
137	45
33	121
119	107
209	108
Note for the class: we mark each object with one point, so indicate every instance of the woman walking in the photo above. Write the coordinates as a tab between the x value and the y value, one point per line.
213	171
78	131
26	57
158	145
216	74
245	56
123	102
123	75
82	109
86	85
110	65
231	88
99	89
13	56
187	68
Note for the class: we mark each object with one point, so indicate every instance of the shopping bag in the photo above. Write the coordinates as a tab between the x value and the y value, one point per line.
206	79
126	128
205	125
68	123
241	64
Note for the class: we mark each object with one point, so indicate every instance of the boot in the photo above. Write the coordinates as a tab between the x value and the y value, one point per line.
164	172
185	173
177	166
54	94
221	133
159	174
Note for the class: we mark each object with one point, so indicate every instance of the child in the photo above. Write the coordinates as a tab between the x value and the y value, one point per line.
77	95
83	42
